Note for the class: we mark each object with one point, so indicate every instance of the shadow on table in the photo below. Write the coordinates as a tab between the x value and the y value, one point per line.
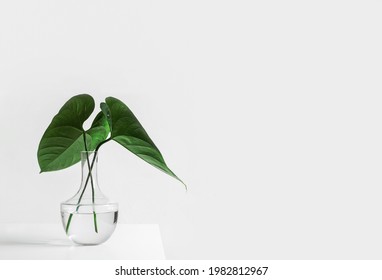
33	235
34	242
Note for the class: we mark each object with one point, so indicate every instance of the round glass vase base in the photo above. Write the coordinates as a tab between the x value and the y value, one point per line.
89	228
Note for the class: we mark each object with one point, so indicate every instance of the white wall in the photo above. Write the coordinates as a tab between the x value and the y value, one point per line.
270	111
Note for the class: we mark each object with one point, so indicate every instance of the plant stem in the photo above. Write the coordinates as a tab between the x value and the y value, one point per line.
95	222
91	181
86	183
68	224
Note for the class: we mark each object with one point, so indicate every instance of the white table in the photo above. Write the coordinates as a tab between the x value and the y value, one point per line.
48	241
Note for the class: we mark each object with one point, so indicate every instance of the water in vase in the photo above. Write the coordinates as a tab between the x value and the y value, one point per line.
85	231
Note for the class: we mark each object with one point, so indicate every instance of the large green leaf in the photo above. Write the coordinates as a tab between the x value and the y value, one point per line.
98	131
106	112
63	140
127	131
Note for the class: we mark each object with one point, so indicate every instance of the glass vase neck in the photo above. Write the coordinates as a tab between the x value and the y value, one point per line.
89	165
89	192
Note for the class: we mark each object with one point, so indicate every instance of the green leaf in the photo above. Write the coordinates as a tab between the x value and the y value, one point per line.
127	131
106	112
98	131
63	141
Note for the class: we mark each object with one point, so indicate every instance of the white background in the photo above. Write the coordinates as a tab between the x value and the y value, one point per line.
270	111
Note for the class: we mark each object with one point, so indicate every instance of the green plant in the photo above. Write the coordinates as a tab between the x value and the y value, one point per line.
65	137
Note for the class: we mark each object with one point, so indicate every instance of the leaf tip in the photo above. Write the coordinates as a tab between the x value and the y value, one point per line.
185	186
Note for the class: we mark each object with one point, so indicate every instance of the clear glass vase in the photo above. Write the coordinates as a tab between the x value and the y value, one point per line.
89	217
